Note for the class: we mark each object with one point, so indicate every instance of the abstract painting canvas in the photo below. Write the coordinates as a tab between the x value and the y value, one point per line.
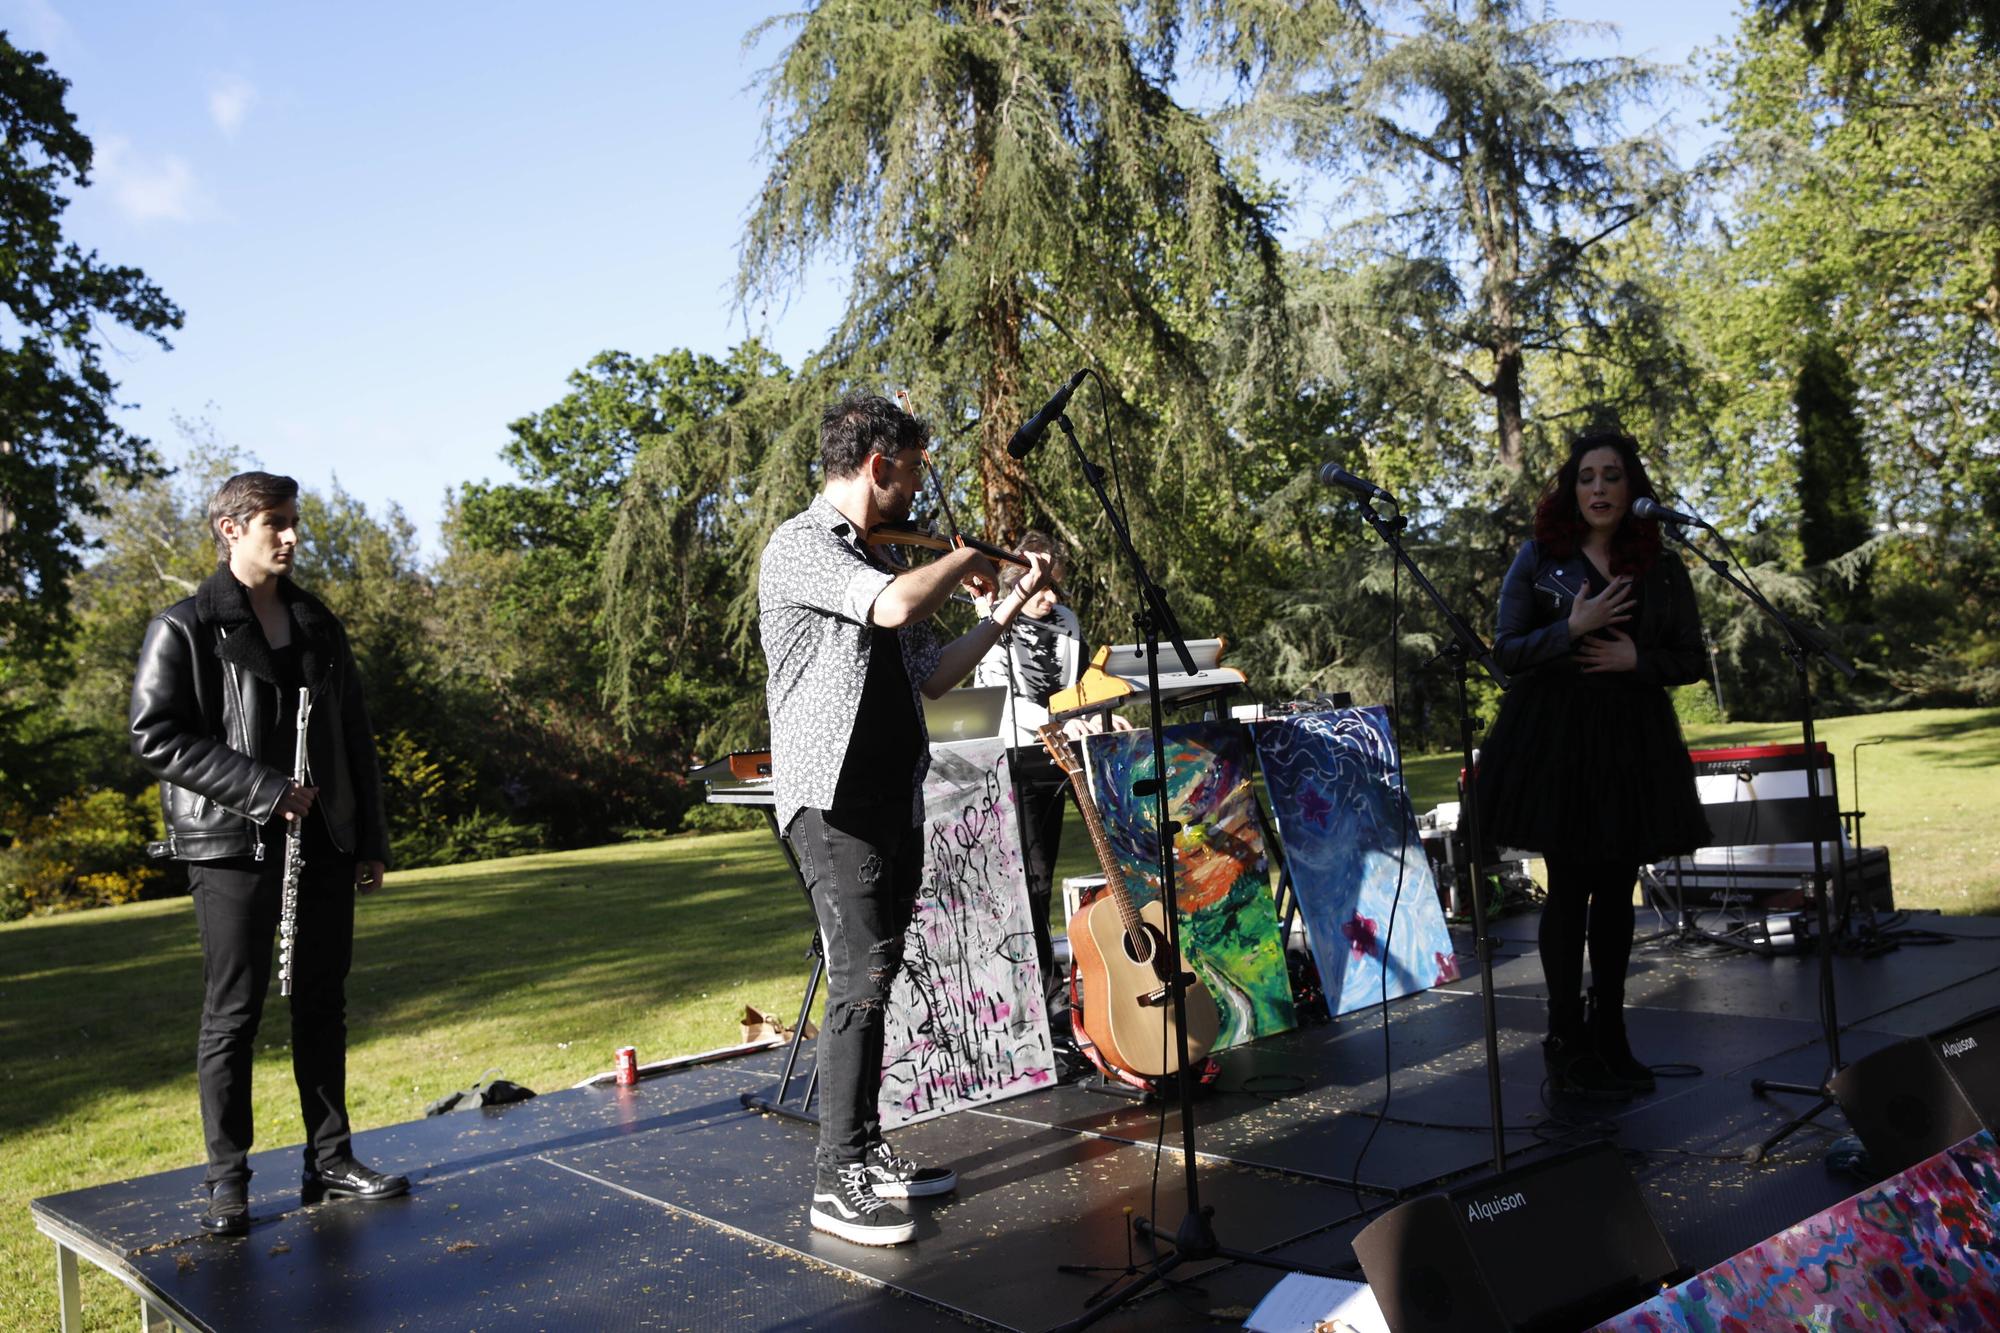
1919	1251
1347	832
1228	919
966	1022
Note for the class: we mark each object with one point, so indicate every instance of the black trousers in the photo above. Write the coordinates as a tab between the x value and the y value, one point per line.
1043	794
1589	905
236	905
863	868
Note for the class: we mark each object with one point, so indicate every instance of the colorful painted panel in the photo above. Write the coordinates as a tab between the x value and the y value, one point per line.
1347	832
966	1022
1920	1250
1228	921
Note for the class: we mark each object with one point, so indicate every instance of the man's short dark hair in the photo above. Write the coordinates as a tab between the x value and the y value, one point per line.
243	497
862	424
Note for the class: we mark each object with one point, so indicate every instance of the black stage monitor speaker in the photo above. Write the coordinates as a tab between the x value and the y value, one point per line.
1920	1096
1558	1244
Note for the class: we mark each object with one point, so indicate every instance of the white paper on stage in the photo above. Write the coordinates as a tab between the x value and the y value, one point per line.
1301	1303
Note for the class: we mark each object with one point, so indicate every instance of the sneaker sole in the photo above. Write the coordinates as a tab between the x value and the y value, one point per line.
887	1189
859	1234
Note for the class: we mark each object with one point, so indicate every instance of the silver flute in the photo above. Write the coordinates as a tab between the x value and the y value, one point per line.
295	855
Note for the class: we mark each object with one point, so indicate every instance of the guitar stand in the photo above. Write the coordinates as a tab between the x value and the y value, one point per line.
779	1102
1105	1086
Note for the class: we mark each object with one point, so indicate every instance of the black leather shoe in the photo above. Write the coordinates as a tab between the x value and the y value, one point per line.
350	1180
228	1209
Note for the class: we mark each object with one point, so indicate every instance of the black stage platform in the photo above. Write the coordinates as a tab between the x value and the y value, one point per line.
668	1206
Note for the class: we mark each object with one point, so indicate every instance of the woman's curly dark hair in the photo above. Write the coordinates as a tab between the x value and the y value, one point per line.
1559	526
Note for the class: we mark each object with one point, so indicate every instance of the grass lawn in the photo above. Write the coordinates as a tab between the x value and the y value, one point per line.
543	965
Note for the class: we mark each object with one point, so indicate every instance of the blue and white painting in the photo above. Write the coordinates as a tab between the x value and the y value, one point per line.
1348	832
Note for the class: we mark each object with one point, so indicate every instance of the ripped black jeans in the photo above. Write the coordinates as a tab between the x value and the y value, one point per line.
863	867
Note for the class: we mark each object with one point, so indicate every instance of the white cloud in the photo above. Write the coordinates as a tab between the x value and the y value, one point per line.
147	191
37	26
229	101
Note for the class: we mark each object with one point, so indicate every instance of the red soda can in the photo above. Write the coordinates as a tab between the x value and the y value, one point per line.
628	1066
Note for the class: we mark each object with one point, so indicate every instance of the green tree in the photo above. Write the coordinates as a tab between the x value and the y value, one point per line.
1921	27
1501	174
1861	211
59	440
1836	512
559	596
1017	193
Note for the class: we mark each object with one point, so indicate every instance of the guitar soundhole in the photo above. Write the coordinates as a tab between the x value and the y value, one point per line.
1132	947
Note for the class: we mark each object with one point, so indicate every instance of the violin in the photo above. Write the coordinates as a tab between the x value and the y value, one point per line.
907	533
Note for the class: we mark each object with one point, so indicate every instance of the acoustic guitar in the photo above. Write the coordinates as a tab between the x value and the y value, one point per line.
1124	965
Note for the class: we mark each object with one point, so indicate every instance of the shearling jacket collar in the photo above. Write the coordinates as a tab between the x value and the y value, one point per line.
224	603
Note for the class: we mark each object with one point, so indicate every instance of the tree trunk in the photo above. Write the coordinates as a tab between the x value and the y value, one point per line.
1507	404
1001	478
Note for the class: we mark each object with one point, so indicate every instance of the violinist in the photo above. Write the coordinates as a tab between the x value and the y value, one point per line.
848	643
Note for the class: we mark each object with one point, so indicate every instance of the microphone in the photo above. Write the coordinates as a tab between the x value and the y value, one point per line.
1031	431
1333	474
1647	507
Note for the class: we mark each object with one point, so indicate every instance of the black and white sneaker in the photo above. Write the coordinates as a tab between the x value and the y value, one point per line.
843	1205
897	1177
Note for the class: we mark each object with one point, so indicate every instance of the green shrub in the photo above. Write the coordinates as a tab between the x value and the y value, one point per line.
484	836
90	851
419	798
1696	706
705	818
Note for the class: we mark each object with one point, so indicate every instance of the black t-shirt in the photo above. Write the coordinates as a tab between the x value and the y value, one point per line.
883	748
279	746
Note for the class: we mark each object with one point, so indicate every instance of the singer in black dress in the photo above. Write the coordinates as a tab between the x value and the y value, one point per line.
1586	764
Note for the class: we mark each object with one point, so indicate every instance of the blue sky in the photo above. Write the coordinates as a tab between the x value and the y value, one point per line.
396	228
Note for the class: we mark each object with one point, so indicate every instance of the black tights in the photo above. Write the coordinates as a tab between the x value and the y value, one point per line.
1588	901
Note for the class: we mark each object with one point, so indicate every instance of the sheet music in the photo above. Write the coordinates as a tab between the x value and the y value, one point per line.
1303	1304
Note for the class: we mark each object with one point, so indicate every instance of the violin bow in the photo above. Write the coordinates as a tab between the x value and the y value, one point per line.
958	537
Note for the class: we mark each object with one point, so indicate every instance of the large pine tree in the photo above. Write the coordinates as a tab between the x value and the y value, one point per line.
1501	164
1019	194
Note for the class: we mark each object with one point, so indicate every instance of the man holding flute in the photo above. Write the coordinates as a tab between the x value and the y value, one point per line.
214	717
848	644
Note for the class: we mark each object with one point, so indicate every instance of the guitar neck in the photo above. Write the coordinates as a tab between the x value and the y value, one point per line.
1107	858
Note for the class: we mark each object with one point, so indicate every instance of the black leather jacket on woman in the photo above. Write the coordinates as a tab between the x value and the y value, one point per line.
203	702
1532	633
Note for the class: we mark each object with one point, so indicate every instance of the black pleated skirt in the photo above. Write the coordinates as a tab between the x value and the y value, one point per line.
1581	767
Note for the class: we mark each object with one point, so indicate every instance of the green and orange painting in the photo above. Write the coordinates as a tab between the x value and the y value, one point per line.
1222	871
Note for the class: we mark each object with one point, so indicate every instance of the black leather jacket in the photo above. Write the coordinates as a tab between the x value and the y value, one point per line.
1531	635
203	700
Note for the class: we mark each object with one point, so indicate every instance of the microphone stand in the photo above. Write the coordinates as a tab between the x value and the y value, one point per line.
1801	645
1194	1240
1465	648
